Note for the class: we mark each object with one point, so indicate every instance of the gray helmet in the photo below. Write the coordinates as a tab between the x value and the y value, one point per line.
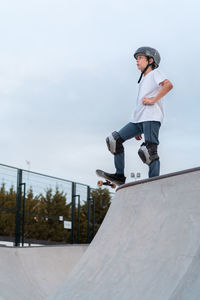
150	52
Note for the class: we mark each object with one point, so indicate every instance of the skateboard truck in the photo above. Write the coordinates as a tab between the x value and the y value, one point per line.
107	182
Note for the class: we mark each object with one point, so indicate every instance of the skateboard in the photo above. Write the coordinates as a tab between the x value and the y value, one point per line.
108	182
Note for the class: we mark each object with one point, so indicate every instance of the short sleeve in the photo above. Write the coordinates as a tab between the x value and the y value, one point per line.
159	77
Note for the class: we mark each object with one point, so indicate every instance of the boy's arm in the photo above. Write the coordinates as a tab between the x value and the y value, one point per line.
166	87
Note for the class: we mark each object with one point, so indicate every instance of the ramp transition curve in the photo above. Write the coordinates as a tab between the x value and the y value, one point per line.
148	246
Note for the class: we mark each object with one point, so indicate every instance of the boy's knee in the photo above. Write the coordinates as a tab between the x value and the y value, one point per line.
115	143
148	152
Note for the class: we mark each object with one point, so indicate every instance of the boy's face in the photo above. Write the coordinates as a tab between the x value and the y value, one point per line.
142	62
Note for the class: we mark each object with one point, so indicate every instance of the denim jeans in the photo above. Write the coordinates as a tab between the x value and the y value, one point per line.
150	129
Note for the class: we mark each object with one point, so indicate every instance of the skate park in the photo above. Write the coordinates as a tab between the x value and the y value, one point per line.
110	86
155	254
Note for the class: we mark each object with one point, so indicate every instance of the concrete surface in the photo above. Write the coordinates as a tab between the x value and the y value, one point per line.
33	273
148	246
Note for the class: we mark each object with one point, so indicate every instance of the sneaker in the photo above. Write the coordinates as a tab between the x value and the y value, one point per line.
116	178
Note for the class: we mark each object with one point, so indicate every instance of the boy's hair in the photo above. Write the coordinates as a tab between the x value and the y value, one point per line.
153	65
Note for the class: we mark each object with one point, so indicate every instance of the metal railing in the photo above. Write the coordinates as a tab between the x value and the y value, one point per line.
41	209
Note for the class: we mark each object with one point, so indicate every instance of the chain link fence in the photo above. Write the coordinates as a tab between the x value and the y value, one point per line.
37	209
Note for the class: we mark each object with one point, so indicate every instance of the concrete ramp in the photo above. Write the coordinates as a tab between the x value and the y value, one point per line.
33	273
148	246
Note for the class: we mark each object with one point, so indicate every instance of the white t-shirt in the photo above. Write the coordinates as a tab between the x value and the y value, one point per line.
149	87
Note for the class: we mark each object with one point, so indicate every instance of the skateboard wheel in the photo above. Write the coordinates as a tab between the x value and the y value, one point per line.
100	183
113	186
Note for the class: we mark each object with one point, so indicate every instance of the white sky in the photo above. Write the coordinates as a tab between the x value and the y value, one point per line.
68	79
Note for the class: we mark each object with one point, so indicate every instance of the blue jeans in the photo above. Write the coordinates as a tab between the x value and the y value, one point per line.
150	129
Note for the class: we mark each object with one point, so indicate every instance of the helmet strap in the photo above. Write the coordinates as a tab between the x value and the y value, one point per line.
144	72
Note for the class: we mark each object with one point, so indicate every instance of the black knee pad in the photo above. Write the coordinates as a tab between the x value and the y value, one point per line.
148	152
115	143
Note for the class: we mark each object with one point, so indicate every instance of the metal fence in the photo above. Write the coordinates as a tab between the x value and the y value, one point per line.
41	209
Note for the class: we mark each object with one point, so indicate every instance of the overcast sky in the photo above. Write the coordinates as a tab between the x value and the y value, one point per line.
68	79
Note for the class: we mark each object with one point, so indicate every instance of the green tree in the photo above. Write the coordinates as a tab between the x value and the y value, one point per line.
49	226
102	201
7	211
42	214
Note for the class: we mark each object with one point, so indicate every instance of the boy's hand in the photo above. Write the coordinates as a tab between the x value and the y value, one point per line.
148	101
138	137
166	87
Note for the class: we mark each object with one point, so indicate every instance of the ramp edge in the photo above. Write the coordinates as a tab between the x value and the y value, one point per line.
158	178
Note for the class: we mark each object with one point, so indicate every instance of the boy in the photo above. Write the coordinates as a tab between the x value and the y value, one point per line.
147	117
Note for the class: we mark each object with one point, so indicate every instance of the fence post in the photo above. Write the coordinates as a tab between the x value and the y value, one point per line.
88	213
18	209
73	209
23	212
79	212
93	218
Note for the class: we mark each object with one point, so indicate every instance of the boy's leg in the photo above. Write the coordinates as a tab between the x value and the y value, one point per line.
151	133
127	132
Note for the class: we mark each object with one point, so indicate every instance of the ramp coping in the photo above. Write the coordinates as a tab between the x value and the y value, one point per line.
126	185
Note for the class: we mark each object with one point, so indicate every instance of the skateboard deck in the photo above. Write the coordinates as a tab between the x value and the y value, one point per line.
108	182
